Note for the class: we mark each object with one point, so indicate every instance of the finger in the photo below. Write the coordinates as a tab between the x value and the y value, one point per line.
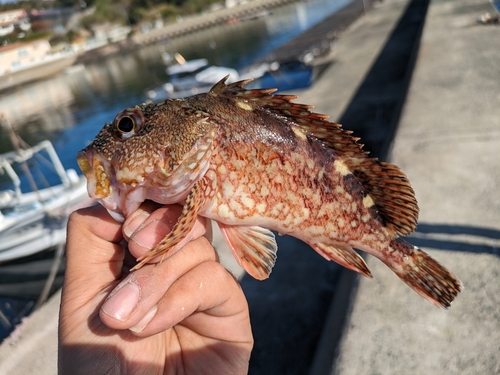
207	300
150	224
141	290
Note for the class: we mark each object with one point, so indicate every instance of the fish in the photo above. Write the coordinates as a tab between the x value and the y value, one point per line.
257	162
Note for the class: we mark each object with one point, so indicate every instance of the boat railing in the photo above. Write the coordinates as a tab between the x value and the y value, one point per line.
22	155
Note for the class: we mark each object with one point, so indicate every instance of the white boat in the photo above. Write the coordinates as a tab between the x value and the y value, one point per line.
33	221
198	73
46	67
192	77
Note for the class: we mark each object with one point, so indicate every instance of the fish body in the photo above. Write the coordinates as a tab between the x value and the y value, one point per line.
256	162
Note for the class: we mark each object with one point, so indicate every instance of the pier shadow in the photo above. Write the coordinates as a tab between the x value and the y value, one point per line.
288	309
375	110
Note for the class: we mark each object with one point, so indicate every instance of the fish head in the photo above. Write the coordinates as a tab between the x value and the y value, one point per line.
152	151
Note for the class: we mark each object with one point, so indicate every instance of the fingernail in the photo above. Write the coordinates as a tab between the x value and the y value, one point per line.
146	238
144	321
121	304
138	218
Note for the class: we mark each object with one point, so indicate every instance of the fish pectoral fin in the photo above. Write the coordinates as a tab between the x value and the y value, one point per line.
180	230
253	247
343	255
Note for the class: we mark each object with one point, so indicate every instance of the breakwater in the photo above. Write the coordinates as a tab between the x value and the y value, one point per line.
203	21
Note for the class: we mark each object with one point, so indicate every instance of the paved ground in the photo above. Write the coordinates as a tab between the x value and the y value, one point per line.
447	143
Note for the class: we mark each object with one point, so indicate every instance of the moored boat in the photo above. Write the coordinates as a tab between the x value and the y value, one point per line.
191	77
37	61
33	221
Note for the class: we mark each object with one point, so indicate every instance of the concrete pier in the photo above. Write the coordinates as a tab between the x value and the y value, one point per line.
447	143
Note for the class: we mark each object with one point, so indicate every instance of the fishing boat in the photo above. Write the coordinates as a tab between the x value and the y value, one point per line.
35	220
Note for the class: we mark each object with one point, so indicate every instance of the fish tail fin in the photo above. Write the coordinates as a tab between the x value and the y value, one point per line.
343	255
423	274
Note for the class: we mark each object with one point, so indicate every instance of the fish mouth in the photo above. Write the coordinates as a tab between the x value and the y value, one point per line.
99	185
94	169
83	162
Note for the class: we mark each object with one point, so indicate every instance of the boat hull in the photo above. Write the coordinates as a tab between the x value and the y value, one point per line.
36	72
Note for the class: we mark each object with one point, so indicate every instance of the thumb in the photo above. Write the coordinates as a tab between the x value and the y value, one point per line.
94	255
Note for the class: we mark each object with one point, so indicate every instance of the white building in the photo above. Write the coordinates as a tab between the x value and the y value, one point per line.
18	55
12	19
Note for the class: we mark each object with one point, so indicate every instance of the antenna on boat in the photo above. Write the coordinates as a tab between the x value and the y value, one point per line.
16	140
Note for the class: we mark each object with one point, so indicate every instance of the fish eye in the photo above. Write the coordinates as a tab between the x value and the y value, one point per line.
127	123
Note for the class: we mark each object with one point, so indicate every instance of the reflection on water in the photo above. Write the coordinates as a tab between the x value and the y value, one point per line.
32	101
69	109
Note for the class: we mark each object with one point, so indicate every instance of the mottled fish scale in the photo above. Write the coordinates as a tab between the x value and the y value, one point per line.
304	185
253	161
388	186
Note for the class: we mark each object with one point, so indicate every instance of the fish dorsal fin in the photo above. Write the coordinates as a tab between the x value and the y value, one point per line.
391	191
386	184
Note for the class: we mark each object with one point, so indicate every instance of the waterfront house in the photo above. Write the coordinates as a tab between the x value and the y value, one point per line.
15	56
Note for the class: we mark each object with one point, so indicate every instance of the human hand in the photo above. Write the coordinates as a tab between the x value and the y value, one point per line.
184	315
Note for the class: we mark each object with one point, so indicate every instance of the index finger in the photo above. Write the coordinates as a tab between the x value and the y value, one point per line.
146	227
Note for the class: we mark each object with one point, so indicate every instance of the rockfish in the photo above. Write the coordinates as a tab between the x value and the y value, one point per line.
256	162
